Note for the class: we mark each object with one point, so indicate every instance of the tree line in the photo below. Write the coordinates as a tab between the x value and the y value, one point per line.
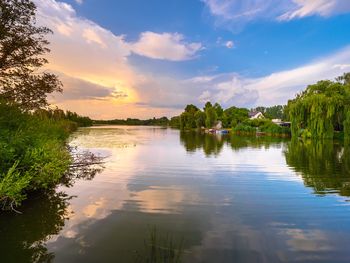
195	118
163	121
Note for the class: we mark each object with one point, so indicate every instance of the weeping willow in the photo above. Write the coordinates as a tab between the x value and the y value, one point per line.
321	110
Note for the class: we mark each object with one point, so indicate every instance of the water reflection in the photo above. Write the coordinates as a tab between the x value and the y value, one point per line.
23	236
231	198
210	143
323	165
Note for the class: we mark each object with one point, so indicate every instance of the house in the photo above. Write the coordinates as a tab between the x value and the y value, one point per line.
281	123
218	125
277	121
255	115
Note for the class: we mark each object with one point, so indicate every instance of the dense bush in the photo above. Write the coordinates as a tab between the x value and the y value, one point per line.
32	153
261	125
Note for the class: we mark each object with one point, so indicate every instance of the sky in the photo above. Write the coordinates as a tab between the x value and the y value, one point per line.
145	59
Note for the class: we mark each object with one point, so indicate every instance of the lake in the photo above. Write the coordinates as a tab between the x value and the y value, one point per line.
218	198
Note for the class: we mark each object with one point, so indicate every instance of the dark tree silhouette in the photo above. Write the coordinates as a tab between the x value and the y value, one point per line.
22	46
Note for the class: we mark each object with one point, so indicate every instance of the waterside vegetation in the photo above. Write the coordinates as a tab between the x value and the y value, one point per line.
33	153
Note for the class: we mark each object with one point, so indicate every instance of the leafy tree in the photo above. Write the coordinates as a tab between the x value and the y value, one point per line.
207	106
235	116
175	122
274	112
321	109
22	46
200	119
219	111
344	79
192	109
187	118
211	117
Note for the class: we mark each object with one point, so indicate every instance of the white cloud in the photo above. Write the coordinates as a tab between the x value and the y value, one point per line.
79	2
276	88
91	36
168	46
229	44
236	13
96	70
323	8
91	57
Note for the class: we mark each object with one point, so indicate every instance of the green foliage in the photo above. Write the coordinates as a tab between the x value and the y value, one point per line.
200	119
175	122
219	111
163	121
320	110
244	129
234	116
193	117
323	164
187	121
347	126
32	152
261	125
12	185
210	117
192	109
22	47
274	112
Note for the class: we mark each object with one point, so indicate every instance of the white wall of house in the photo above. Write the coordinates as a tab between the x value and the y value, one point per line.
258	115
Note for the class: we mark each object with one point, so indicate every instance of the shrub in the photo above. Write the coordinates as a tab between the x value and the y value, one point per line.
33	155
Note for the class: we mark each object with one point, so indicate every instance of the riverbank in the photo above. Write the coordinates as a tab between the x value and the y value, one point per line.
33	153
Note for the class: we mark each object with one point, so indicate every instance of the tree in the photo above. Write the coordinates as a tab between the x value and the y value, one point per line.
321	110
192	109
219	111
344	79
187	118
234	116
207	106
200	119
22	46
211	117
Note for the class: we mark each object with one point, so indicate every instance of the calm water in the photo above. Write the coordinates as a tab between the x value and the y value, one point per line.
229	198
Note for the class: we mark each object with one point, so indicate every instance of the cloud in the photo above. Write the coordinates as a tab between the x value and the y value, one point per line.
236	13
94	66
323	8
78	89
92	37
80	2
276	88
167	46
229	44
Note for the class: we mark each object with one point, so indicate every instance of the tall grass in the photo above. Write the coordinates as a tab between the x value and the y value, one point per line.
160	249
33	154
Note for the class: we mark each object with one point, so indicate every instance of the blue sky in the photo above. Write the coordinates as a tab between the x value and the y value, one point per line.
160	55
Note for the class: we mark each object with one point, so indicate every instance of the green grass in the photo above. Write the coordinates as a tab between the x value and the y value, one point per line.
33	154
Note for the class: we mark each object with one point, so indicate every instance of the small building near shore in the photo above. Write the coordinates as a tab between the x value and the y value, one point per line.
217	125
281	123
255	115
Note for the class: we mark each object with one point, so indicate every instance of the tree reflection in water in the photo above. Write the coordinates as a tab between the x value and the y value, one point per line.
323	165
210	143
23	236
